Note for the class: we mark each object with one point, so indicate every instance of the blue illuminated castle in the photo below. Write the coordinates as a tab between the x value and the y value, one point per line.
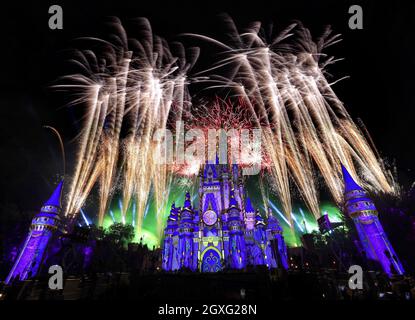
364	214
38	240
225	231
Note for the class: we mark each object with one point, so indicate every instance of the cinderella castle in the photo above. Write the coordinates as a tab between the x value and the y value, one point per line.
225	231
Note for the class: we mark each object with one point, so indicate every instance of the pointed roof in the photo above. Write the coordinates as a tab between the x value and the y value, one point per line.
56	197
232	201
349	183
173	212
187	213
258	218
210	171
273	222
248	205
187	202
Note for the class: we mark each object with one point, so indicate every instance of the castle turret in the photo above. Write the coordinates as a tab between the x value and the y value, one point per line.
259	250
259	221
43	226
277	240
364	214
186	227
236	234
169	259
249	215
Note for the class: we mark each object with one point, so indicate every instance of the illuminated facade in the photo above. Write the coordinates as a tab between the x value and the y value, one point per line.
225	231
43	226
364	214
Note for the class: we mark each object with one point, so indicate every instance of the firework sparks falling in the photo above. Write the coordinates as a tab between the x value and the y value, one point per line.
135	87
306	125
129	90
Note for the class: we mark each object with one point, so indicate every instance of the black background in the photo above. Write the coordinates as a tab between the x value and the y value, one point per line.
379	59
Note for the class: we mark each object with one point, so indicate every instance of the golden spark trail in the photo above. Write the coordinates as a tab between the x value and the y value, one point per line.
131	85
307	129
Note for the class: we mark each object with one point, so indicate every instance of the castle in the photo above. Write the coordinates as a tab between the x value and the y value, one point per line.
225	231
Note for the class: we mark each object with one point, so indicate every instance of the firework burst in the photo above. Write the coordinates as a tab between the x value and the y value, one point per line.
128	90
132	88
305	127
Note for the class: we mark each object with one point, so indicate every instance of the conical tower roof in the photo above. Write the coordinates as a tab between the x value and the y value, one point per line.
187	211
56	197
258	219
349	183
173	213
248	205
232	201
187	202
52	207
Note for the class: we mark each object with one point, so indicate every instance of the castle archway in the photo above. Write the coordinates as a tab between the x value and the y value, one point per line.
211	260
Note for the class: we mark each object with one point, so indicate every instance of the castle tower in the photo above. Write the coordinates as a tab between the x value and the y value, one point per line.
249	215
278	245
43	226
364	214
236	235
210	189
260	248
169	261
186	227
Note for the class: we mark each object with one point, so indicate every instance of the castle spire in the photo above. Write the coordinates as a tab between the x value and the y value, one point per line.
43	226
349	183
187	202
362	210
187	211
232	201
258	219
249	214
248	205
55	199
173	213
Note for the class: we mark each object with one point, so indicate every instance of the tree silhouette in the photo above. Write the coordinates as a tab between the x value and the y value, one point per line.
120	234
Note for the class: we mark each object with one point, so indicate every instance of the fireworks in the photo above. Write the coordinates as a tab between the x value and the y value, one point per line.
130	87
307	128
134	87
214	120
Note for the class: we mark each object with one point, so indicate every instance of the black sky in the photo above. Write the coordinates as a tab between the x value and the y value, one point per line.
379	59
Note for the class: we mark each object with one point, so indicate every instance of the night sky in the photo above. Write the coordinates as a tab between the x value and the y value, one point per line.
379	59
